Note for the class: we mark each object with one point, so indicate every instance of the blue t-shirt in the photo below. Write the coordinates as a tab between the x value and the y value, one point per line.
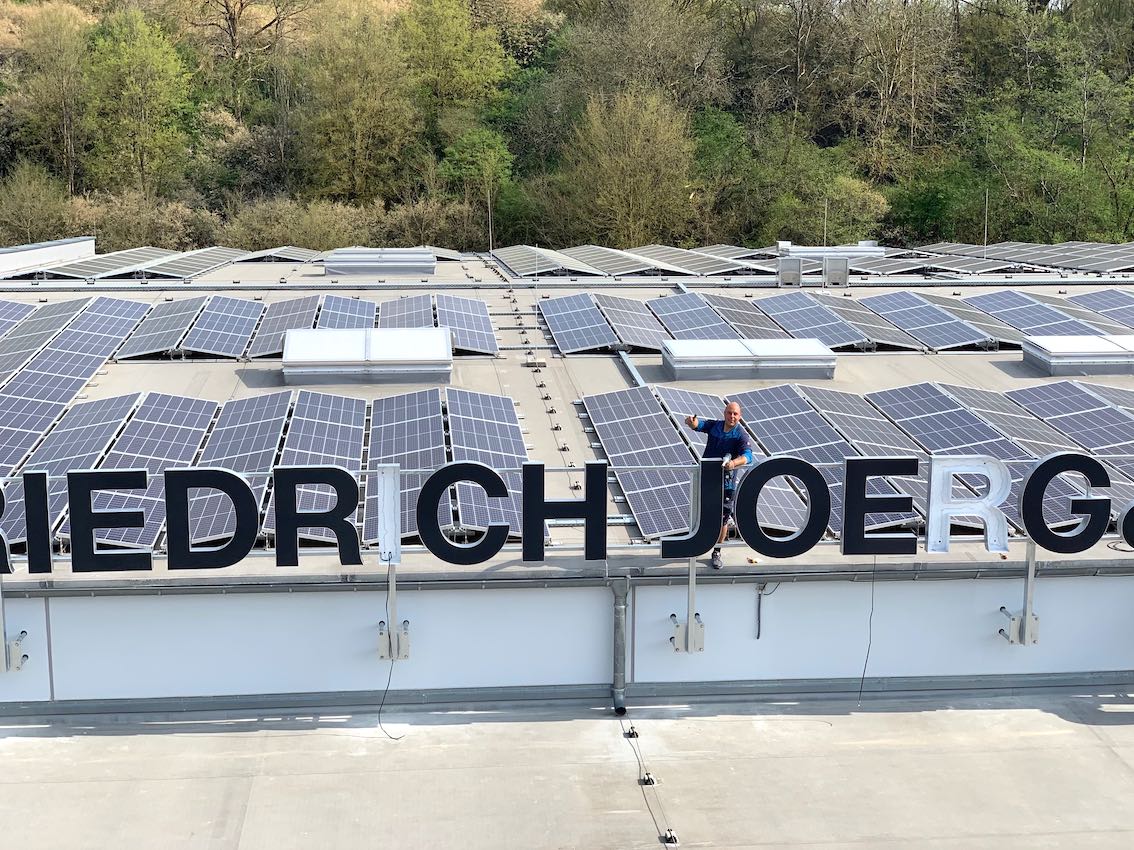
721	442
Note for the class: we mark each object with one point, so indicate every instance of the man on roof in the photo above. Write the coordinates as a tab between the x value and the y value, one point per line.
727	439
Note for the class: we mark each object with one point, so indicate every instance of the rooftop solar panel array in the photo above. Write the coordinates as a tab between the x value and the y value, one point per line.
886	265
688	316
525	261
875	327
77	442
749	320
632	321
12	313
409	430
279	318
635	431
193	263
996	329
576	323
224	327
105	265
413	311
942	425
779	506
485	428
803	317
609	261
468	320
966	265
325	430
1029	315
245	439
163	328
1115	304
341	312
737	252
689	262
1081	312
930	324
23	341
785	424
165	432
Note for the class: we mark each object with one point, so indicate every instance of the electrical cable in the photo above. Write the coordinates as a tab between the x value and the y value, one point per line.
642	773
869	632
390	677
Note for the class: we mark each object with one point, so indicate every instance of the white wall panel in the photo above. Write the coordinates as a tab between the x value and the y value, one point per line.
33	682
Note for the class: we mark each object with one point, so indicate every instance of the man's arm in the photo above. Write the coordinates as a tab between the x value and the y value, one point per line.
744	457
698	424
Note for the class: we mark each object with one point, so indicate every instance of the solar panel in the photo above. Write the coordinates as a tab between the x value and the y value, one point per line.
607	260
279	318
1083	416
748	319
803	317
164	433
414	311
942	425
689	262
1117	396
926	322
885	265
224	327
1082	313
12	313
632	321
105	265
779	505
245	439
688	316
966	265
525	261
1028	315
325	430
1014	421
1116	304
736	252
576	323
283	254
467	319
980	320
162	329
876	327
341	312
408	430
785	424
24	340
193	263
485	428
635	431
77	442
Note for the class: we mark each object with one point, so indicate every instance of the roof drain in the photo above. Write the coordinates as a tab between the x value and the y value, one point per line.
621	590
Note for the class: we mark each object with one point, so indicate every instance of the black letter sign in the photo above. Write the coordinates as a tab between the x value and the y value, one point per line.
857	504
1096	508
818	500
37	521
436	486
700	540
181	555
591	509
337	519
85	521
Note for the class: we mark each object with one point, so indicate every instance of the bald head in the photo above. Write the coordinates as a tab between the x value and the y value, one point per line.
731	414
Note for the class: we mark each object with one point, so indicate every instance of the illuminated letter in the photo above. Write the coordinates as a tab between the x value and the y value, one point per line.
943	506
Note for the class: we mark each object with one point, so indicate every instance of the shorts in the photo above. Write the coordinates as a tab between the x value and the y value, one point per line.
726	512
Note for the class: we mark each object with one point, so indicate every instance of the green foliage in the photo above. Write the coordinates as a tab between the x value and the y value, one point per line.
139	93
33	205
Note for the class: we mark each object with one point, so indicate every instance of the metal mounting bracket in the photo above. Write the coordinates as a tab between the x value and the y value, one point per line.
690	635
393	636
13	656
1023	625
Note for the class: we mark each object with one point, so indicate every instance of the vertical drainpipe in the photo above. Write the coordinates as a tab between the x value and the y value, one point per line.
621	589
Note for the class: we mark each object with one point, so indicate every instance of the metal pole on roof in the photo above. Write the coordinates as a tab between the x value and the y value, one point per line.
985	223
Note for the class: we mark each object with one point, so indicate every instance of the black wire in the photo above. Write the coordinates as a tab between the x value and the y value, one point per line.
869	632
642	772
390	677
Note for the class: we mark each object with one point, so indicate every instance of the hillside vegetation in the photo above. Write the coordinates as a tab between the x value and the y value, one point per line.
321	123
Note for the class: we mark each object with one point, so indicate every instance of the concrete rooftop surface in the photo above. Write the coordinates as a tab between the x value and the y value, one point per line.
1038	770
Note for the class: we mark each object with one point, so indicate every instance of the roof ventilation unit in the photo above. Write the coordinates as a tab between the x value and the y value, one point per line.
1080	355
836	271
367	355
381	261
763	359
789	271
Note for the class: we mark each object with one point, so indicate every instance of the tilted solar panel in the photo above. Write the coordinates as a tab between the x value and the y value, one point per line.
341	312
413	311
749	320
930	324
279	318
12	313
576	323
409	430
468	320
875	327
224	327
803	317
632	321
688	316
162	329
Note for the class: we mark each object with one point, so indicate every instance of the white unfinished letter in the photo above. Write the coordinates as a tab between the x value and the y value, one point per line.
943	505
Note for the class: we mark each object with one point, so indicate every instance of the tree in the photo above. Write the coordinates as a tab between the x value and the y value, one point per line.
358	115
627	170
454	64
479	161
139	95
33	205
52	97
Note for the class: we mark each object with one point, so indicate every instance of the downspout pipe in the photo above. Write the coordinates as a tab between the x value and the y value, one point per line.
621	590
